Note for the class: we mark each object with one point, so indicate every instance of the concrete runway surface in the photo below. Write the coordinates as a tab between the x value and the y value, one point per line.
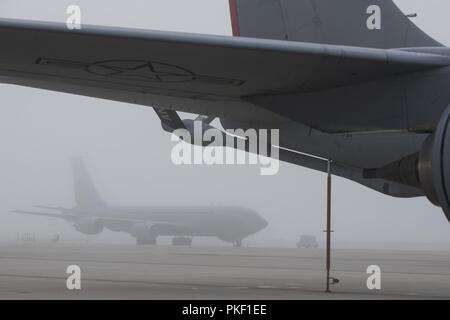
37	271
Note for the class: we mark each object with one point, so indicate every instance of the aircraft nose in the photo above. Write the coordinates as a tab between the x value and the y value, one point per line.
255	221
262	223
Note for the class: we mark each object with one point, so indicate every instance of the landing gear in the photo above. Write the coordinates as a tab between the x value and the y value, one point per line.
330	280
237	243
182	241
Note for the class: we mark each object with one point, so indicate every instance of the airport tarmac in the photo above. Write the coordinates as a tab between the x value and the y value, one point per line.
37	271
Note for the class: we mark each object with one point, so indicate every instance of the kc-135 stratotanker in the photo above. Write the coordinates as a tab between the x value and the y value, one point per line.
352	81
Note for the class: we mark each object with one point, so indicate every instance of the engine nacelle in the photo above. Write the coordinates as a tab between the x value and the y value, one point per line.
143	234
140	230
89	226
428	169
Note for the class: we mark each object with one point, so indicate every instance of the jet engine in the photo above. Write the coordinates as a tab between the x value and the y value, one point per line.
89	225
143	234
428	169
139	229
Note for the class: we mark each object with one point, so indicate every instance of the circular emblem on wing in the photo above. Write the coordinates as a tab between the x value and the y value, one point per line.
137	70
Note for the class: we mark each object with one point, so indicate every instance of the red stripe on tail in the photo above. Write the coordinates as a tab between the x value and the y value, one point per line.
234	18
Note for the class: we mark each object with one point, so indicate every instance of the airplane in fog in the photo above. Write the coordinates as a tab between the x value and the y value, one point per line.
352	81
91	215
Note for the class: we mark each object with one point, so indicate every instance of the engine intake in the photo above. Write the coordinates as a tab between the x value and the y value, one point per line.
143	234
428	169
89	226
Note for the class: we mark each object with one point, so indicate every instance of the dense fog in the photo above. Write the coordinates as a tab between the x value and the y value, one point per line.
128	154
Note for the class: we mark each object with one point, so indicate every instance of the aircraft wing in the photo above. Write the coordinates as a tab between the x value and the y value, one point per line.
202	74
74	216
45	214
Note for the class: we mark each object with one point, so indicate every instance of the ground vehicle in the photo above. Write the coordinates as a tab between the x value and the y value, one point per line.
307	241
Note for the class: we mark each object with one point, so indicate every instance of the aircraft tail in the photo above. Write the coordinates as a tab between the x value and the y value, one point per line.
86	195
363	23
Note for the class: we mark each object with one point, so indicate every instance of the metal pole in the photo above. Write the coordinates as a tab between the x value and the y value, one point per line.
328	225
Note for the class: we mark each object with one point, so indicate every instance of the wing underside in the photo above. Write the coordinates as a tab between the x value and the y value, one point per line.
176	69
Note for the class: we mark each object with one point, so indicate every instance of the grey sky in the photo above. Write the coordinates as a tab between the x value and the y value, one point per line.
129	154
